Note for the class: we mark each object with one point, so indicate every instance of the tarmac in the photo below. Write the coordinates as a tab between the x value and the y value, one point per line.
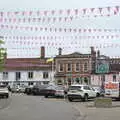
89	112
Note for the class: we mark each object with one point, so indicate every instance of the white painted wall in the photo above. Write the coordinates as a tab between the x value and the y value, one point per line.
37	76
97	79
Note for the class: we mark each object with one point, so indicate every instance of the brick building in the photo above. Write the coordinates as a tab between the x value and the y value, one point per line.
74	68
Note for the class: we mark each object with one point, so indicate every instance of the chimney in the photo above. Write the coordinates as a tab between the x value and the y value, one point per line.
98	53
92	50
60	51
42	52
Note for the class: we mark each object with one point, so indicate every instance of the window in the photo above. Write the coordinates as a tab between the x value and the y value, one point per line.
87	88
69	81
75	88
18	76
85	67
45	75
114	78
5	75
77	66
30	75
86	80
69	67
60	67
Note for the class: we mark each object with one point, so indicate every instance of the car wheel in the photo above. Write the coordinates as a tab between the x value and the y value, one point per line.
6	96
70	99
46	96
85	99
98	95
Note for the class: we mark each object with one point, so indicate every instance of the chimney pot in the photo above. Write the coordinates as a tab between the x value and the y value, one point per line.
98	53
60	51
42	52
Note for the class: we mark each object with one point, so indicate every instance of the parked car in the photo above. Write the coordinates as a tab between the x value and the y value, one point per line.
49	91
4	92
28	90
83	92
14	88
22	88
54	91
39	89
59	92
99	91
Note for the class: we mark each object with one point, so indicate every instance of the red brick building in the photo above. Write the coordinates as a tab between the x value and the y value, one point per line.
74	68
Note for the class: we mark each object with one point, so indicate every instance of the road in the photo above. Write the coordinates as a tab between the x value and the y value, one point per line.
23	107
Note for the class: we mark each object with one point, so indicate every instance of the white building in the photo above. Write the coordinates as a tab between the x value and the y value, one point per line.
27	70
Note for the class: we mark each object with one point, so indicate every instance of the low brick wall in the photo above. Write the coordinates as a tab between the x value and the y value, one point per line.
103	103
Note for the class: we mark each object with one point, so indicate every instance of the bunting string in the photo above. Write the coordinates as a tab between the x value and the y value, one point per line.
115	36
100	11
52	29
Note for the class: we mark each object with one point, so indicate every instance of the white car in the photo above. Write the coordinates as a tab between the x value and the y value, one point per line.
4	92
78	91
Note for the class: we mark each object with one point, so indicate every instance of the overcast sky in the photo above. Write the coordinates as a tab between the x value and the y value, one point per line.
91	22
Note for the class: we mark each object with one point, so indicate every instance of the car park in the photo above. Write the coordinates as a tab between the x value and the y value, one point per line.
4	92
83	92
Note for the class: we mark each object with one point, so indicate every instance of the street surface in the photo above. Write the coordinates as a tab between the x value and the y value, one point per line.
23	107
89	112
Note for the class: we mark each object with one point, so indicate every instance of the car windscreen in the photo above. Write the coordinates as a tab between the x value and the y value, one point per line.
74	87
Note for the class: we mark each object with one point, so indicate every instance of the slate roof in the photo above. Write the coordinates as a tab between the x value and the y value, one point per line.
26	64
73	55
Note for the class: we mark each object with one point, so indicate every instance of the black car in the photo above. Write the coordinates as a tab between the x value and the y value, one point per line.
39	89
50	91
28	90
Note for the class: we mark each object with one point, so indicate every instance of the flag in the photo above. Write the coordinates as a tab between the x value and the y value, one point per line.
49	60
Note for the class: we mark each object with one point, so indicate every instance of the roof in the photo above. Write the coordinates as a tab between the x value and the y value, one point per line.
103	57
26	64
73	55
115	67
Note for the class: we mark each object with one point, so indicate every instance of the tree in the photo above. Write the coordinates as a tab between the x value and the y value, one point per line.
2	55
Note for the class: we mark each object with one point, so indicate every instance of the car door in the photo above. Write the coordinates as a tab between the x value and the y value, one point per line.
87	90
92	92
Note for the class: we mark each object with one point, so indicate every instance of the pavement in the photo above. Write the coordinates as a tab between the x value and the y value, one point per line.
89	112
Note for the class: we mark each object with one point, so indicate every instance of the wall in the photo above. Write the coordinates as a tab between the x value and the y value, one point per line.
97	79
37	76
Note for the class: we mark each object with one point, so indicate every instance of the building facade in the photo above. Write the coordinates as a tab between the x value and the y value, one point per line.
107	70
74	68
27	70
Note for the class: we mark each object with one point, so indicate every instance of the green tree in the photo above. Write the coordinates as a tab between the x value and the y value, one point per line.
2	55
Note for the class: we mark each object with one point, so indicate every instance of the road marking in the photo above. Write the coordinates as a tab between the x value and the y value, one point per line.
82	114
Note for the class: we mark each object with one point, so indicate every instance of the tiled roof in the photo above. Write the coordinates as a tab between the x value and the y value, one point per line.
26	64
